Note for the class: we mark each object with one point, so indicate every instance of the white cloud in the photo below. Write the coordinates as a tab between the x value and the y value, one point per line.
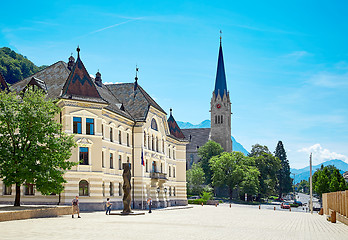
298	54
321	154
330	80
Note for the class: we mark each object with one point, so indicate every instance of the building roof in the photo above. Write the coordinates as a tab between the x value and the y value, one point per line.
197	137
220	81
174	129
53	76
79	85
137	102
3	83
38	82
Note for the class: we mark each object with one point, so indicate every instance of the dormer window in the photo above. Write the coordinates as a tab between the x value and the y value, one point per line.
154	125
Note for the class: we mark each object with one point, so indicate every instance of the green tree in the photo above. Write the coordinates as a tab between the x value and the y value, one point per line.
16	67
303	186
322	183
334	184
206	152
231	169
195	179
268	166
33	149
328	179
284	179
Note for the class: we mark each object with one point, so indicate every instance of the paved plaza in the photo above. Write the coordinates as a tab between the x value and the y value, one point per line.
207	222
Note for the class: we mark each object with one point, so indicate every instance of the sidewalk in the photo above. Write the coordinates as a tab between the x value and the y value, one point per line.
207	222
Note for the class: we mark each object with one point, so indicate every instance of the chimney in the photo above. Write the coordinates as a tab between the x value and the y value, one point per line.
98	79
71	62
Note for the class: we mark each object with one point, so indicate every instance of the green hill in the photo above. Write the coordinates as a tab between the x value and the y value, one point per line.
15	67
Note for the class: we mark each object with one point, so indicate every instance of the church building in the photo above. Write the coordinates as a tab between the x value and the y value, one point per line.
112	124
220	118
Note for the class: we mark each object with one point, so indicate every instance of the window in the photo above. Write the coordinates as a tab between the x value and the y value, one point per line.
127	159
77	125
222	118
111	137
7	189
173	191
149	142
111	160
169	152
170	191
219	119
173	153
83	188
111	189
170	172
120	189
28	189
119	137
103	164
161	167
102	131
119	162
215	119
144	140
147	166
103	187
83	155
173	171
162	145
128	139
90	126
157	144
153	143
154	124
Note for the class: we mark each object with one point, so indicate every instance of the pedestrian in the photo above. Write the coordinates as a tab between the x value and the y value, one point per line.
149	202
75	207
108	206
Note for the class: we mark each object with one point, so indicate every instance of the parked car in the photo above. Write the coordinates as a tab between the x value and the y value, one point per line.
298	203
194	197
285	205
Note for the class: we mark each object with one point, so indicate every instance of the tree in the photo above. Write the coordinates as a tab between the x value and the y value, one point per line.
15	67
284	179
33	148
206	152
268	166
195	179
231	169
328	179
303	186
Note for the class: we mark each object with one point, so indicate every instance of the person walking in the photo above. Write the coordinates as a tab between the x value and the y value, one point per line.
108	206
149	202
75	207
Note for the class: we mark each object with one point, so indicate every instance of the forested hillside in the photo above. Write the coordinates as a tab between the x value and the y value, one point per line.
15	67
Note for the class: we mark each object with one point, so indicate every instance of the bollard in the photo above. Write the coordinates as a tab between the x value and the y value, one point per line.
274	208
230	205
321	212
202	204
215	204
259	206
289	209
333	217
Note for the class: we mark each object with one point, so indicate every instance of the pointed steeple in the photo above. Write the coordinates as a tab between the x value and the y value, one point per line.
220	81
174	128
79	83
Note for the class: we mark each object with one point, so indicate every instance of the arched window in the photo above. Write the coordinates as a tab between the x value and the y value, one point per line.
83	188
154	124
111	189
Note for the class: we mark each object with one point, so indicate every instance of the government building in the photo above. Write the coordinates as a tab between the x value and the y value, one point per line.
112	124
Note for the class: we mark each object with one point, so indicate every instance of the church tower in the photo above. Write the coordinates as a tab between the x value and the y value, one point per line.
220	108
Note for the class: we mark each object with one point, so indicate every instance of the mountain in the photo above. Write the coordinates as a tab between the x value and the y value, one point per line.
14	67
206	124
303	173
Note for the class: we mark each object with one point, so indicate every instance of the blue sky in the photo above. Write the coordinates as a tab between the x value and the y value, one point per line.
286	62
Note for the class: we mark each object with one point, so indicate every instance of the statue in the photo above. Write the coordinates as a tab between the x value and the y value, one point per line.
126	188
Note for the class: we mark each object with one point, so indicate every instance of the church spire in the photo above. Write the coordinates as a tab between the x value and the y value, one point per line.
220	81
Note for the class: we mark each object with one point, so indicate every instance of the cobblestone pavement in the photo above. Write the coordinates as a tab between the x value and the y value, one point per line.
207	222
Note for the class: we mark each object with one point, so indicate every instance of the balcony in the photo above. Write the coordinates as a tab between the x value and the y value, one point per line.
158	175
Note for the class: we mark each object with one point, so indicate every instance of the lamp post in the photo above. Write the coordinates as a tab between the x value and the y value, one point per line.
294	186
310	185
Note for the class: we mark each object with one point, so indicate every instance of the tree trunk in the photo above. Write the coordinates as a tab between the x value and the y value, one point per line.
230	192
18	195
58	199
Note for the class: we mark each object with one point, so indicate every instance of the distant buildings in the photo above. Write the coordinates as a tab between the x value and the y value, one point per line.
220	109
112	124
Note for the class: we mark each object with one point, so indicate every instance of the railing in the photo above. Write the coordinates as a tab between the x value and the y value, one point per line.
338	202
158	175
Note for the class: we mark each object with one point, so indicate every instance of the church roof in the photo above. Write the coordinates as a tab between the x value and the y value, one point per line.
197	137
137	103
174	129
79	85
3	84
220	81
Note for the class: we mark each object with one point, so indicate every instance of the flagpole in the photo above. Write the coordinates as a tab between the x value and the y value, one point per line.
310	185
